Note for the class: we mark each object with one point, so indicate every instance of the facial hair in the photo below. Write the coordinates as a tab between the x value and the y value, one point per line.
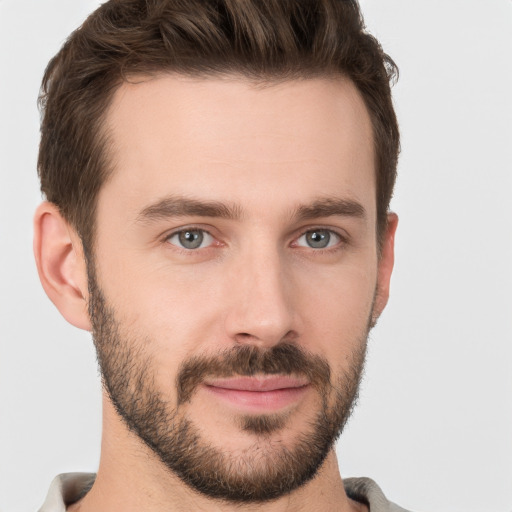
268	469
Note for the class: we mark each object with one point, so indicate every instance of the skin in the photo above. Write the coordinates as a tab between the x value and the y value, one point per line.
268	150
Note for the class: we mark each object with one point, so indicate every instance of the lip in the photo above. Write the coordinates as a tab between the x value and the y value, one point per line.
258	394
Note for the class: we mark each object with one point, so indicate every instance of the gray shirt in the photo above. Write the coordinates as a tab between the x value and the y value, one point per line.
70	487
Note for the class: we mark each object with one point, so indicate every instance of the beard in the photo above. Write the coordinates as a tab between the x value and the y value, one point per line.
266	470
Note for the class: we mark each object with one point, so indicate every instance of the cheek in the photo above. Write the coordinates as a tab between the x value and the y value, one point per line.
337	308
173	308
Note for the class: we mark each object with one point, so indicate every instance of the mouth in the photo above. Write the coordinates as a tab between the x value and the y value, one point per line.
258	394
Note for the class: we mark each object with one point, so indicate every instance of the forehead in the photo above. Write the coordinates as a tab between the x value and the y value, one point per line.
230	139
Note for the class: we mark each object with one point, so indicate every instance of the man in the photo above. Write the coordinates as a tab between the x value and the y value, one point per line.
218	177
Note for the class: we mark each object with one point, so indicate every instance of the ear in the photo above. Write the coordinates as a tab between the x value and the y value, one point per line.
61	264
385	267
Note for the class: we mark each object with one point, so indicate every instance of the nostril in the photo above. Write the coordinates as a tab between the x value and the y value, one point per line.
243	336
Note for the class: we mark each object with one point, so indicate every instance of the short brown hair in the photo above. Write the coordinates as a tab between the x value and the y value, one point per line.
264	40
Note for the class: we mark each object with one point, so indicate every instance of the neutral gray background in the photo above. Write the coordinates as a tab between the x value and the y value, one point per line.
434	424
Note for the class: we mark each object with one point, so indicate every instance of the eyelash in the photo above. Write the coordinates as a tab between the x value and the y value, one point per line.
343	239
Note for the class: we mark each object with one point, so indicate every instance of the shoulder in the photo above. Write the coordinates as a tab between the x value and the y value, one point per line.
66	489
366	491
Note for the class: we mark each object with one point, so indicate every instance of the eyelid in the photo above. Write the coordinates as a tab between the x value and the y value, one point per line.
187	227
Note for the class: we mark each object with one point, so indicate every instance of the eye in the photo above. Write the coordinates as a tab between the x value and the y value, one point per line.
191	239
319	239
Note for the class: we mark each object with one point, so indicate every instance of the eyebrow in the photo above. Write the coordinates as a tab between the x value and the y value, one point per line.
329	207
174	206
178	206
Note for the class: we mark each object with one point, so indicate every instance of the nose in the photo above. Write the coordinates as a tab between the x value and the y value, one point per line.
262	311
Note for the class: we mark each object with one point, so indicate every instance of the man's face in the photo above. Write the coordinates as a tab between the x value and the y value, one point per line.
235	272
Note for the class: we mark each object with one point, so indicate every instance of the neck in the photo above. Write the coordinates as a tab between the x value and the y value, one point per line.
132	478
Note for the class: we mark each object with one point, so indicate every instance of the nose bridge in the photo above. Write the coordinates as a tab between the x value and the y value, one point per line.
261	310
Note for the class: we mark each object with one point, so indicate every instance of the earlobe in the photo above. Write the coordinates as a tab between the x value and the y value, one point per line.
61	264
385	267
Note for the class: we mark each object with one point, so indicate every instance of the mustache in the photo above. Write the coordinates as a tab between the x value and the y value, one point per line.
248	360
